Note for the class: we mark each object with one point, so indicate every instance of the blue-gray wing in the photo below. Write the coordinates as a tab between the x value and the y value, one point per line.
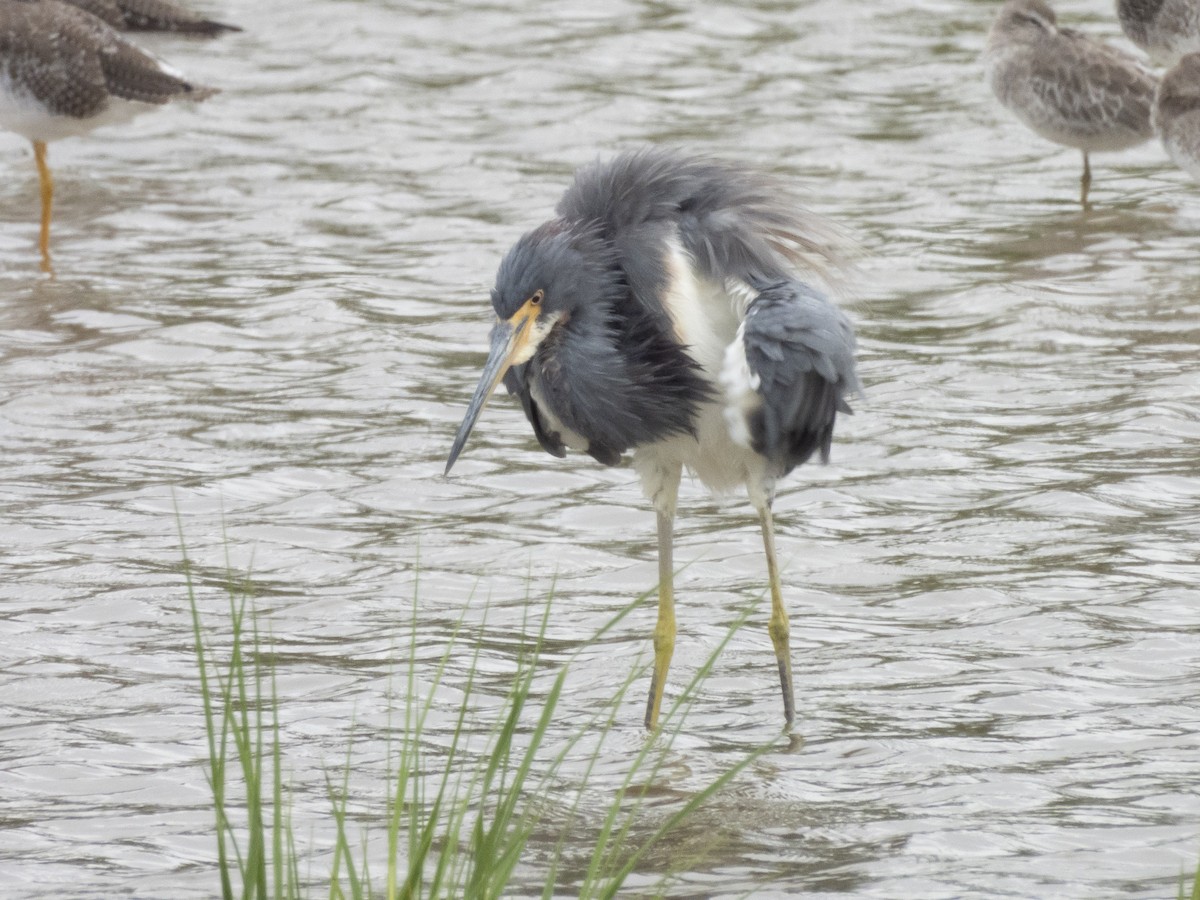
733	221
517	381
799	367
617	381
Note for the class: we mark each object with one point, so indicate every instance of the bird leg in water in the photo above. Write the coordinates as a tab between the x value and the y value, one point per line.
1086	181
778	628
47	185
664	631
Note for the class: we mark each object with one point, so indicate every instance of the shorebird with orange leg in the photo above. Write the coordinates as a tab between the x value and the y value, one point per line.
64	72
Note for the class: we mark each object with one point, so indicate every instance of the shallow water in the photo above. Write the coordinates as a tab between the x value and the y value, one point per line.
269	314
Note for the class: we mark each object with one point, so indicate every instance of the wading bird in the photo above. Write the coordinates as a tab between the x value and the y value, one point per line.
661	312
152	15
1166	29
64	72
1069	88
1177	114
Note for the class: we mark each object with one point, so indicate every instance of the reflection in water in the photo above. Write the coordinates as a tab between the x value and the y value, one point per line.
270	312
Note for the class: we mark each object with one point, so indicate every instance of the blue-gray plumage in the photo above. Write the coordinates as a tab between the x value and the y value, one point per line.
662	312
801	352
611	372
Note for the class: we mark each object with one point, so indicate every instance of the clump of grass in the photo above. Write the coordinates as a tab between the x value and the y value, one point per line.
234	706
1194	893
458	821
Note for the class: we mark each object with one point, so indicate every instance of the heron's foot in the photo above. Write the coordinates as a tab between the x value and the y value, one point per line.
653	702
789	697
780	638
664	649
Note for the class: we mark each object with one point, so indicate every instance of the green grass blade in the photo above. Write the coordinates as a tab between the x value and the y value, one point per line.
463	803
216	776
1194	894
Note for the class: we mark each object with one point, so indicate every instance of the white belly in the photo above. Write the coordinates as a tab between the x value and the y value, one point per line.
23	114
706	316
721	463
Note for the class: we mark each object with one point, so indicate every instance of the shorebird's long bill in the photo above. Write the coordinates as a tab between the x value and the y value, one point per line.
507	343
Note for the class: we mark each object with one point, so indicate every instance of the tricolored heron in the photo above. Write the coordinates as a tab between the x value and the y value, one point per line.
1068	87
661	312
64	72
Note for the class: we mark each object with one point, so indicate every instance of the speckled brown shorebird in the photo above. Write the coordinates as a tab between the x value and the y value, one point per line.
1166	29
1177	114
152	15
64	72
1068	87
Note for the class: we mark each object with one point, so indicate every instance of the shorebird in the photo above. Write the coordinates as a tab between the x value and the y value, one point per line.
662	311
64	72
1069	88
1177	114
1166	29
152	15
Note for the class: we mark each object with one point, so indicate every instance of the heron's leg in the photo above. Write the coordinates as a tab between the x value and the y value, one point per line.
778	628
47	185
1086	181
664	631
662	486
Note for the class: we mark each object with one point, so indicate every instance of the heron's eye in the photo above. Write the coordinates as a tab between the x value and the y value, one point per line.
537	297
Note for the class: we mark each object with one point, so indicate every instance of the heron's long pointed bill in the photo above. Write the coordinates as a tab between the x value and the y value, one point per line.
506	344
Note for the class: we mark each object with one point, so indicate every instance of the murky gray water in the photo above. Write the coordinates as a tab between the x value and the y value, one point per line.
270	311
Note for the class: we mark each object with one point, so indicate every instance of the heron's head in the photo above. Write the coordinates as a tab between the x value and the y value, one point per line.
551	274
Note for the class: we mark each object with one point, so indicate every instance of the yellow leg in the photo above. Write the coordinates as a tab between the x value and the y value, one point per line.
664	631
1086	182
778	627
47	185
